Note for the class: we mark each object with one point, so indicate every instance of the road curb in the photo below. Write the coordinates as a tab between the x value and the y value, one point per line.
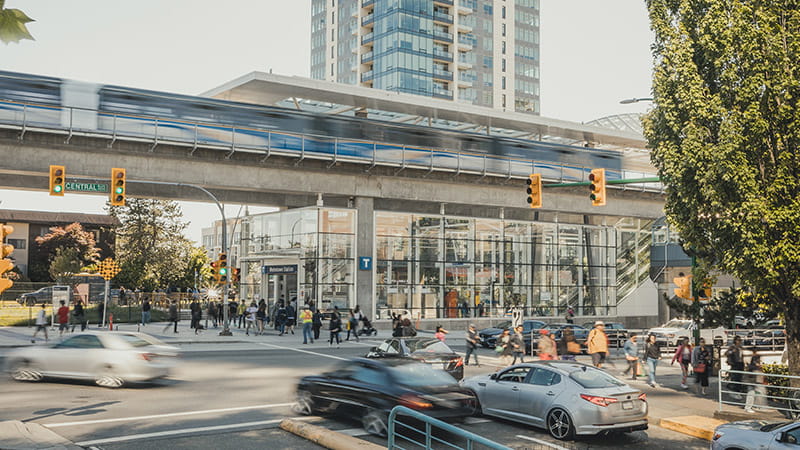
32	436
325	437
696	426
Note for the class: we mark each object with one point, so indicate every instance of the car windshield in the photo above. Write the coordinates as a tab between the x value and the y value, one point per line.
416	375
591	378
502	325
772	426
428	346
677	324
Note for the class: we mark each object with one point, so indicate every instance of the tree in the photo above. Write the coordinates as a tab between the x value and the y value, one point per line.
73	237
720	311
65	263
198	269
724	134
151	248
12	24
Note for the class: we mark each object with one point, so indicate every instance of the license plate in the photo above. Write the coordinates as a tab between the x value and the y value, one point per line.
627	405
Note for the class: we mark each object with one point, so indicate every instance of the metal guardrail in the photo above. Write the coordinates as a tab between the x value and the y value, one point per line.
759	395
72	121
430	422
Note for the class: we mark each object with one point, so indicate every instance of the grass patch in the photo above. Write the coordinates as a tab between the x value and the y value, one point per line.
12	314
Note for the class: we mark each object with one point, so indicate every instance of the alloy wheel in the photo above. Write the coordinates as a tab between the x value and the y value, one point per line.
25	371
559	424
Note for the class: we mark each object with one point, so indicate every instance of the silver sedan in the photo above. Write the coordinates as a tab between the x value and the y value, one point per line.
564	397
108	358
756	434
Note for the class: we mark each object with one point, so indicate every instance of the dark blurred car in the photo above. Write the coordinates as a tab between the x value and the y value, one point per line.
616	332
423	349
370	388
43	295
488	336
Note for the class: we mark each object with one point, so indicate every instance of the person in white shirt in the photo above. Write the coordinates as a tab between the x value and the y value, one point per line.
250	320
41	324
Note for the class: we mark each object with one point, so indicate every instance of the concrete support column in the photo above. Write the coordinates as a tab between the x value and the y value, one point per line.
365	246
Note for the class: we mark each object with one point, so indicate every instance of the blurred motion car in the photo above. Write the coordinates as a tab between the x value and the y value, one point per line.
370	388
566	398
110	359
756	434
426	350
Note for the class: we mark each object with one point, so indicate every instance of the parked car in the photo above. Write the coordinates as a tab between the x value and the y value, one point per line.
756	434
39	296
669	334
616	332
488	336
427	350
370	388
110	359
566	398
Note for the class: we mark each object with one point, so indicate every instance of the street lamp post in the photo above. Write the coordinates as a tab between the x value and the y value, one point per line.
628	101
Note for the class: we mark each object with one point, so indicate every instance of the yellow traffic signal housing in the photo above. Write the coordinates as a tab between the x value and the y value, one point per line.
534	182
684	289
5	264
222	268
597	185
118	187
214	271
58	178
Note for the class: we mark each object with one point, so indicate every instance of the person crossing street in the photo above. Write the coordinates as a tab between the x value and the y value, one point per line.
307	318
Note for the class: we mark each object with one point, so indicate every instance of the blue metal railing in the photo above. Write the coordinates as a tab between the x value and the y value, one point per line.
470	438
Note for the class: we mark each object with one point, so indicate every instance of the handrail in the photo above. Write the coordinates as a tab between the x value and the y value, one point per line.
789	403
430	422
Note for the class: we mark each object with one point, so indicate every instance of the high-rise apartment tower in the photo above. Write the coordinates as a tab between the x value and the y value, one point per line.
482	52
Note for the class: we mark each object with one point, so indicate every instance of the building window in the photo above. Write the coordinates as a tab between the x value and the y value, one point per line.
488	62
503	64
331	69
503	86
504	98
333	17
503	12
487	9
332	51
503	47
503	27
18	244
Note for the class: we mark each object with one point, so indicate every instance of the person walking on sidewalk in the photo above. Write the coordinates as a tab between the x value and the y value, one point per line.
652	353
291	316
472	344
172	317
63	319
307	319
41	324
504	347
736	362
568	347
261	318
701	365
196	314
250	318
597	344
546	347
240	313
80	316
316	322
335	326
683	354
145	312
352	326
631	349
755	394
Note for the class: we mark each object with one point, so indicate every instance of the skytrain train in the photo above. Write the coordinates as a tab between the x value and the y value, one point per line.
90	107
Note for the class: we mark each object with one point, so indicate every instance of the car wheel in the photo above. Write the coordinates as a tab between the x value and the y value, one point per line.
477	409
108	379
559	424
24	370
304	404
374	422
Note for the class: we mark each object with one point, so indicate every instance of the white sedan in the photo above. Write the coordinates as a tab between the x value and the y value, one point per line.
108	358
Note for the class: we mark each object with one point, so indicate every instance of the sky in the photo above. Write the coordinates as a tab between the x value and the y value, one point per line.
593	54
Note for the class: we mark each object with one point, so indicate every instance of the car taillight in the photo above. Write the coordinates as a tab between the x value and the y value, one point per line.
459	361
147	356
643	397
599	401
414	402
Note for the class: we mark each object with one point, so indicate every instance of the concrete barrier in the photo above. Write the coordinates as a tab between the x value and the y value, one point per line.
325	437
697	426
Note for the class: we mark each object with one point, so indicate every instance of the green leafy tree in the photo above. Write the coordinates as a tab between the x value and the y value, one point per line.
198	269
65	263
720	311
724	133
73	236
13	26
151	248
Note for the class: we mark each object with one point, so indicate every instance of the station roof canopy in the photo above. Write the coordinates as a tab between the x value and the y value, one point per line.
334	98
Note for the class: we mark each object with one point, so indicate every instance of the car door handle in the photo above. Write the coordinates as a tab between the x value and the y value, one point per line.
514	388
551	393
482	384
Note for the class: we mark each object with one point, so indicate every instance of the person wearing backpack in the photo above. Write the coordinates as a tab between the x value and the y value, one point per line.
280	319
352	326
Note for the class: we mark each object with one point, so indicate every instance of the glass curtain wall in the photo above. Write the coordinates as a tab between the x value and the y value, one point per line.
451	267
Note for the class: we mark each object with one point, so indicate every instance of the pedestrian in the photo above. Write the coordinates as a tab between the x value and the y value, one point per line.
291	316
261	318
568	347
597	344
145	312
172	316
517	345
546	346
250	318
307	319
316	322
196	314
101	313
472	344
652	353
240	312
335	326
756	390
504	347
212	313
352	326
63	318
397	325
683	354
408	329
631	350
570	314
273	315
735	359
440	333
80	316
233	307
701	364
41	324
281	318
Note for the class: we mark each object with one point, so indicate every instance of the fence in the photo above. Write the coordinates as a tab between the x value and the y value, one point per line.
428	439
775	393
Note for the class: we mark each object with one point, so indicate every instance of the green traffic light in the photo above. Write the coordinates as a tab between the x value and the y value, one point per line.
119	190
57	188
223	271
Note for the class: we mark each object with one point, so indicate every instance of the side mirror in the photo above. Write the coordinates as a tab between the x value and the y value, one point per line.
375	350
493	376
780	437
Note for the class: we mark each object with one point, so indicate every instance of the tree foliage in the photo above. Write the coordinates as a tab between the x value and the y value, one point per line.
65	263
74	237
724	134
13	26
720	311
151	248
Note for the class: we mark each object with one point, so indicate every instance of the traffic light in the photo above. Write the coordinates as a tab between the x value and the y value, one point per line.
222	268
118	187
684	289
597	185
704	291
57	177
5	264
214	271
535	190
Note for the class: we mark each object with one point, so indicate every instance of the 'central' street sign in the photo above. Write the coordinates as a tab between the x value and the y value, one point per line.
86	187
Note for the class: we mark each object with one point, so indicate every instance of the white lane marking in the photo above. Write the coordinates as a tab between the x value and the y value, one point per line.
353	432
475	420
538	441
159	416
134	437
301	351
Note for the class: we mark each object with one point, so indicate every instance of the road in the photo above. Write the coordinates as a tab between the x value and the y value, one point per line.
233	396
